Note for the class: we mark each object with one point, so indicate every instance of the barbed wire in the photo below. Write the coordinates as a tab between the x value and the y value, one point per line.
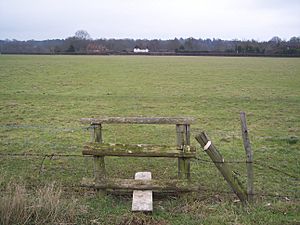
40	127
43	157
233	134
51	155
227	161
262	164
288	195
71	189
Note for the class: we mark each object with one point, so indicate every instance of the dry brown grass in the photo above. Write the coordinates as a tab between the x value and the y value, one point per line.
140	219
44	206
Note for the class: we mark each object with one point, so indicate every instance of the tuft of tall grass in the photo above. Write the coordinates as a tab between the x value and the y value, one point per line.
140	219
44	206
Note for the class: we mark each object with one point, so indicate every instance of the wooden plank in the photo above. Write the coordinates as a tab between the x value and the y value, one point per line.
154	185
222	166
138	120
249	154
142	201
137	147
141	150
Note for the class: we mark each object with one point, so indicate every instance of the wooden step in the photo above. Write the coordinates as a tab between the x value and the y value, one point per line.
142	200
132	184
139	150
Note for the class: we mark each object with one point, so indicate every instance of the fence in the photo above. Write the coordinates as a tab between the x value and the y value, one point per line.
287	184
65	164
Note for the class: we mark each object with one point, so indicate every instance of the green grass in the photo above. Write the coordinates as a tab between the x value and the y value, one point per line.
43	98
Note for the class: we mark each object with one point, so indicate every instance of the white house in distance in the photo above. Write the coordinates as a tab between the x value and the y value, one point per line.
140	50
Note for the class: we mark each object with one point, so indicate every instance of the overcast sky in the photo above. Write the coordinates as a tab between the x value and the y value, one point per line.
161	19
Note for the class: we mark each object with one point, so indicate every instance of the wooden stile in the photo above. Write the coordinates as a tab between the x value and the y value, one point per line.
183	151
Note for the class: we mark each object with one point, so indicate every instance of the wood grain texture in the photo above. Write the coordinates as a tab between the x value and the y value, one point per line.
154	185
141	150
138	120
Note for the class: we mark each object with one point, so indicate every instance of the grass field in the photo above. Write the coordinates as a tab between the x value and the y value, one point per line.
43	98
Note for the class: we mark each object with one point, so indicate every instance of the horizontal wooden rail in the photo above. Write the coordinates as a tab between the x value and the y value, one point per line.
141	150
131	184
138	120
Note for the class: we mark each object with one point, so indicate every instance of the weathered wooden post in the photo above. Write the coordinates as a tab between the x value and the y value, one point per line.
187	143
183	139
99	164
249	154
223	167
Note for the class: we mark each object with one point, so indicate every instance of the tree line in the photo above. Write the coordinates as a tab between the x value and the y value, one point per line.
82	43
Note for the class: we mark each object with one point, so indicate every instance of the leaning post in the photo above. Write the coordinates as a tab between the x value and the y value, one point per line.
222	166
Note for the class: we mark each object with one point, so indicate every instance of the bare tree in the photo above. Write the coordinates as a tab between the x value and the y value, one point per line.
82	35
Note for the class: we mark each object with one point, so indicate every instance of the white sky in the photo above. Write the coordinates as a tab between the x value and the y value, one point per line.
161	19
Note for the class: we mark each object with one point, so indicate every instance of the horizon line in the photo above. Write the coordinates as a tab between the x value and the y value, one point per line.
150	39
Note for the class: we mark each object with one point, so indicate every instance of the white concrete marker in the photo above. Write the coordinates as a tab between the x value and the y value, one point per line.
142	200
